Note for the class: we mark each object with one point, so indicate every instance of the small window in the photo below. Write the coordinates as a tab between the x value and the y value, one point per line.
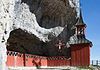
81	31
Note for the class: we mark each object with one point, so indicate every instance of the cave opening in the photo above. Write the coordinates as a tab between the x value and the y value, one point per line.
23	42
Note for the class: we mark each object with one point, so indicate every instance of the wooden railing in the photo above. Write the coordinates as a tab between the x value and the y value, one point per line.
15	59
95	62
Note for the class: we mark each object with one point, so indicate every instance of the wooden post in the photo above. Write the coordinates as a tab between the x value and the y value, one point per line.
92	62
96	62
24	61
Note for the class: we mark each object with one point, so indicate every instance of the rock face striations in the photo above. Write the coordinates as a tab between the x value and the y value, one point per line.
49	14
52	13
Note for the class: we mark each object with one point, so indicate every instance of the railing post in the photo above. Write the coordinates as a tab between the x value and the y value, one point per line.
96	62
24	59
92	62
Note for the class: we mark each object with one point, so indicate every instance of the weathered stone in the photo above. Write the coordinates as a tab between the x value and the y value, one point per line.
49	14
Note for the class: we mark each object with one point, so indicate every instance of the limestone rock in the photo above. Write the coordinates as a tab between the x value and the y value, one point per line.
49	14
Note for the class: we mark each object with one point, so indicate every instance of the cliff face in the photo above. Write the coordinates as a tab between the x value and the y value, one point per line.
52	13
49	14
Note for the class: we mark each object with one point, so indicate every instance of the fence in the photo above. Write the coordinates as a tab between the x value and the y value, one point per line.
95	62
15	59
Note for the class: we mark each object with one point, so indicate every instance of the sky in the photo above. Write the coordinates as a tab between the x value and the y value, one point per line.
91	16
